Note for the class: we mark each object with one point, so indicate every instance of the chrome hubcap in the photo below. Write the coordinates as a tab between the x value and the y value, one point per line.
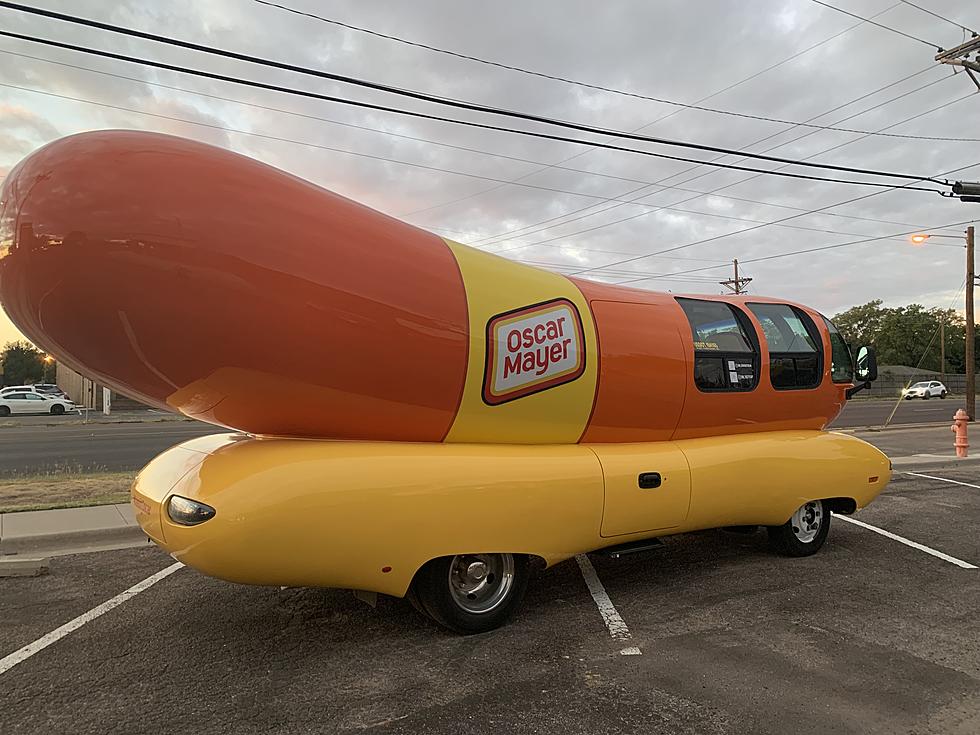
806	521
480	583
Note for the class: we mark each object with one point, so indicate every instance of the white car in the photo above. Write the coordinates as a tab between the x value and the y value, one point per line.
32	402
924	390
23	389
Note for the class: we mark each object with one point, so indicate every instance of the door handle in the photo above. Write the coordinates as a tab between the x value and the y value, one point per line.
649	480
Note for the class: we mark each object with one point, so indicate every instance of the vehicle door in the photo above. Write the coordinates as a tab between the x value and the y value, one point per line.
18	402
37	403
937	389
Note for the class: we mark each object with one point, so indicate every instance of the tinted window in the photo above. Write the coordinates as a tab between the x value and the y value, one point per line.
841	365
795	361
16	397
725	356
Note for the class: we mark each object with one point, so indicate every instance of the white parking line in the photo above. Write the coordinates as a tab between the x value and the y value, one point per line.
943	479
907	542
615	624
8	662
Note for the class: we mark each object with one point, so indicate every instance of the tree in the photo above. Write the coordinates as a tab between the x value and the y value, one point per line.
907	335
22	363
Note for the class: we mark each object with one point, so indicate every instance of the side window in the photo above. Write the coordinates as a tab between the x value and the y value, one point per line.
726	356
841	365
795	348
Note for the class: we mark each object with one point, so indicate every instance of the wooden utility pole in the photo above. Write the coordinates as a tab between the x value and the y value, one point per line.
736	284
942	350
971	368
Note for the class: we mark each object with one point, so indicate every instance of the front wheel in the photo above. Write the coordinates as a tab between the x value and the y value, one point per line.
57	409
4	410
925	396
804	533
471	593
943	394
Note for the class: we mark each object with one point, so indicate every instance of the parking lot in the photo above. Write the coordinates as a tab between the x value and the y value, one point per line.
871	635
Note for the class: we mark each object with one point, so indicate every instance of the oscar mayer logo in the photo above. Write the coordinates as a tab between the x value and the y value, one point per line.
532	349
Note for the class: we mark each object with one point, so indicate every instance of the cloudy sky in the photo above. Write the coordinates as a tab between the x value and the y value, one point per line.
560	205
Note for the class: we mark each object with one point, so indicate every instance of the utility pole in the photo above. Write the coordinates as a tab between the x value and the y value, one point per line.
942	350
971	368
960	56
736	284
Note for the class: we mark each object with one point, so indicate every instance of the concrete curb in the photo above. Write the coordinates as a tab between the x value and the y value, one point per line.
892	427
75	542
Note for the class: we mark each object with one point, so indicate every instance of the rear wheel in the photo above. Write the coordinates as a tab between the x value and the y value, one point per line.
471	593
943	394
925	396
4	410
804	533
57	409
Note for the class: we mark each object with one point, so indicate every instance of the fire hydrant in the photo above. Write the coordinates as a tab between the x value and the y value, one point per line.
960	421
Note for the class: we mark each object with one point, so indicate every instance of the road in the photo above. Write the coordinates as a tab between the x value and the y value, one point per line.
30	448
869	636
26	450
875	412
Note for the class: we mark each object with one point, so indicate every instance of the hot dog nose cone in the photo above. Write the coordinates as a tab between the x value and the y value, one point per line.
196	279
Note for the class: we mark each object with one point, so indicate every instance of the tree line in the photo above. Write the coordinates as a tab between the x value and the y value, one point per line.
908	335
21	363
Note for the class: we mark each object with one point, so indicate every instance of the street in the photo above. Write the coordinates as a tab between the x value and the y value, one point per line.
874	412
26	450
870	635
32	445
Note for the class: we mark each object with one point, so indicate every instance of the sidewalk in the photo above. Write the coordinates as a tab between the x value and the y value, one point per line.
919	446
69	530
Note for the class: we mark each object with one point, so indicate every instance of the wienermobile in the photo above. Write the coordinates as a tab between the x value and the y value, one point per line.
412	416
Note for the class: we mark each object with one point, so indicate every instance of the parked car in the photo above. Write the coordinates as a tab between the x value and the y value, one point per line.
925	390
50	389
42	389
33	402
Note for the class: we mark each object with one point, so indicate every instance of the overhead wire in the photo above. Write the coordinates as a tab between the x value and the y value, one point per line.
379	131
411	94
588	85
705	98
757	227
469	123
879	25
652	209
937	15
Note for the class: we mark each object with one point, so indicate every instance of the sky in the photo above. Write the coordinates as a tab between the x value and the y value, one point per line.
793	60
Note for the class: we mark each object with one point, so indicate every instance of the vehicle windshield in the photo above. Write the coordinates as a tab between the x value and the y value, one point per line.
921	385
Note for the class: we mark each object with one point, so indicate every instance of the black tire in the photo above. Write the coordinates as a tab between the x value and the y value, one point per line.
943	394
435	593
908	398
786	539
4	410
57	409
925	396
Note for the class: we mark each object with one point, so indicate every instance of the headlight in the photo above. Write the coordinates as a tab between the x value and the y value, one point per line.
188	512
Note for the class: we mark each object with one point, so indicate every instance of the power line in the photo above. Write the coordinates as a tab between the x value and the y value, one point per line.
875	23
412	94
650	210
385	159
733	85
802	252
937	15
757	227
406	137
502	235
485	126
588	85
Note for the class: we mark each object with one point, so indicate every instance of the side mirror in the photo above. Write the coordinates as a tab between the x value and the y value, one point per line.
865	371
867	365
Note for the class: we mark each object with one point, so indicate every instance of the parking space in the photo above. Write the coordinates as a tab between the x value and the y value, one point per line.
870	635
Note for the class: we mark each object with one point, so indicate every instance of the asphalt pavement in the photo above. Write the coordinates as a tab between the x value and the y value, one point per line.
874	411
27	450
870	635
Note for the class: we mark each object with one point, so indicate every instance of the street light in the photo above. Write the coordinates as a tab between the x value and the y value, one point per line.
971	389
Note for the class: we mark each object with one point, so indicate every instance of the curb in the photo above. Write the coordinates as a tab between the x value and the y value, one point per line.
23	567
75	542
892	427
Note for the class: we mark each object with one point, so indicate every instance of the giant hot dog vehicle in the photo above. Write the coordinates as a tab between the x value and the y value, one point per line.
411	416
